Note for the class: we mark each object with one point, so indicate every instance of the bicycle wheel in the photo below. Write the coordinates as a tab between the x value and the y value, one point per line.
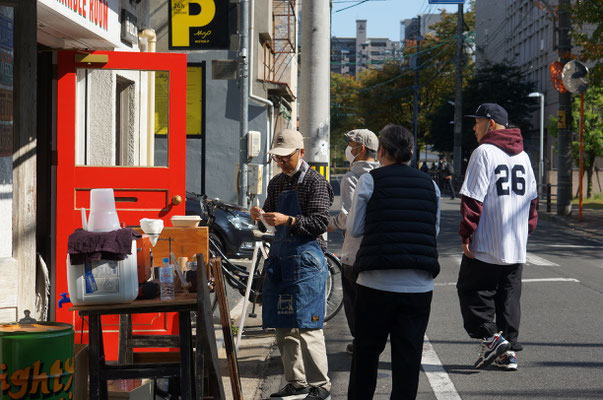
334	290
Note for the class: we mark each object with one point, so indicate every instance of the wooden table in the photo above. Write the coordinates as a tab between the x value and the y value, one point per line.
100	372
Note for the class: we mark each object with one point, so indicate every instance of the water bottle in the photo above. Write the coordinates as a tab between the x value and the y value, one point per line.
166	280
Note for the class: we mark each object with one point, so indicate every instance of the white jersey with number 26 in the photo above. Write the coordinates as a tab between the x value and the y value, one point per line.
505	184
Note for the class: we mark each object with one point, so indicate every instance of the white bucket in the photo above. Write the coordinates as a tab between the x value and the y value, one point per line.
104	281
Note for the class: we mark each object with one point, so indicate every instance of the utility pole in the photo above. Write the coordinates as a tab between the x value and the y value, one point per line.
458	97
415	113
314	96
244	115
564	135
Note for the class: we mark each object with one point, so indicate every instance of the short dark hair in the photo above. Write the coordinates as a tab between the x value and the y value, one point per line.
371	153
397	141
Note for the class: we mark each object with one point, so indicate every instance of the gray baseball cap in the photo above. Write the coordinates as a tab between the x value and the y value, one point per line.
286	142
365	137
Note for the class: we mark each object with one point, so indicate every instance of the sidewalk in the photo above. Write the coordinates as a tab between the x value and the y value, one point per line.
591	224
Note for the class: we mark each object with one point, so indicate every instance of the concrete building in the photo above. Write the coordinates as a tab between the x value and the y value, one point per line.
522	32
213	157
427	21
352	55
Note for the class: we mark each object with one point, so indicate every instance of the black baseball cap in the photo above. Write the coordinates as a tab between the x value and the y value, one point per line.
491	111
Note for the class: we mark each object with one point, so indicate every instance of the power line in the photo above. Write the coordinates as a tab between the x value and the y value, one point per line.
354	5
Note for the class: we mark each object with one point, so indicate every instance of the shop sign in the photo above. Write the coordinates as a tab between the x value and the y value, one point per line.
95	11
199	24
98	16
129	31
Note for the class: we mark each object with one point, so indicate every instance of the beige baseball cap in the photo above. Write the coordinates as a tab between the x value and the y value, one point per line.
286	142
365	137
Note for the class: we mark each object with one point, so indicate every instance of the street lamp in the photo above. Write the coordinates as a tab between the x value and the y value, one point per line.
541	163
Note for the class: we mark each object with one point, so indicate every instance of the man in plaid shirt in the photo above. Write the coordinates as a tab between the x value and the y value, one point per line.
298	205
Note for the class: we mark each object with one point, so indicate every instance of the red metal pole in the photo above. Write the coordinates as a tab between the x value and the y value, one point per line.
581	150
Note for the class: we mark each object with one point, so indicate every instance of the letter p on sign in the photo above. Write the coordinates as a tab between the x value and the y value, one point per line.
187	14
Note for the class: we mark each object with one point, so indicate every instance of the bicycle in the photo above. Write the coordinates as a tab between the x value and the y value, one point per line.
237	275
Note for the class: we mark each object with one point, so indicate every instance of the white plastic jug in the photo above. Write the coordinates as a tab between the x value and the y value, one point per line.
103	216
104	281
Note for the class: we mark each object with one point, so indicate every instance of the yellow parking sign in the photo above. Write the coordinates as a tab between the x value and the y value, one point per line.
198	24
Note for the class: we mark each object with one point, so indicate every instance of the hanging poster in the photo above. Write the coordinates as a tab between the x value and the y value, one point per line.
194	99
199	24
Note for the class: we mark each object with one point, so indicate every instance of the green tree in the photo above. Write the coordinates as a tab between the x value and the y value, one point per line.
493	83
593	132
586	12
381	96
344	116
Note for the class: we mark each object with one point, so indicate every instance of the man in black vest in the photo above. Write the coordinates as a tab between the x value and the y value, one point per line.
396	208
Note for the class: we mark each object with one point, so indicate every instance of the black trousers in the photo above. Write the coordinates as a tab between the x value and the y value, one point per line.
401	316
489	296
348	284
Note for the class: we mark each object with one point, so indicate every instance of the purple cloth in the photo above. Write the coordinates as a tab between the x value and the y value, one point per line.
84	246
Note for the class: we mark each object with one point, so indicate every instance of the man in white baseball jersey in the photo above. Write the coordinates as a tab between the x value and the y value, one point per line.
498	209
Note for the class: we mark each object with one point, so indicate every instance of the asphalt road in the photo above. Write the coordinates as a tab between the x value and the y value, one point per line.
561	329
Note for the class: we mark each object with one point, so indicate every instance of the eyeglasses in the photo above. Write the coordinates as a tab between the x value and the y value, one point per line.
284	159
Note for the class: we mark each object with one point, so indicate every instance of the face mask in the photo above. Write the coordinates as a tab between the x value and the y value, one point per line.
348	154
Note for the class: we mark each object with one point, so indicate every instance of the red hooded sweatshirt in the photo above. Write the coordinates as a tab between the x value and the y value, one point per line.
511	142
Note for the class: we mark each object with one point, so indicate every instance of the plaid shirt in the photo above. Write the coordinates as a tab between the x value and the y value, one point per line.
315	198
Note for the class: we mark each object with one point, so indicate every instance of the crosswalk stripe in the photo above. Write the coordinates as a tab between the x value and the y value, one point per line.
438	378
530	259
534	259
523	281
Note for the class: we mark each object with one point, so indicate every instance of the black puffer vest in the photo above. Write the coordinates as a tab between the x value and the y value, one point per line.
400	222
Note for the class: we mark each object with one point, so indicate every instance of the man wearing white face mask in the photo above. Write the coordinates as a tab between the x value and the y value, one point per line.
361	153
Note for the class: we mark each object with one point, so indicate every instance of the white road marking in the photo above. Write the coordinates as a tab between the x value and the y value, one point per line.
440	382
523	281
550	280
569	246
534	259
530	259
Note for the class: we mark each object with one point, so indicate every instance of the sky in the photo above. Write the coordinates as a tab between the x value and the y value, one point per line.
383	16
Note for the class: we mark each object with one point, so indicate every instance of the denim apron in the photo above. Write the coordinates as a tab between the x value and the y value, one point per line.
296	273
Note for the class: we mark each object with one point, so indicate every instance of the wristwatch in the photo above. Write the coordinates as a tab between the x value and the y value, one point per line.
290	221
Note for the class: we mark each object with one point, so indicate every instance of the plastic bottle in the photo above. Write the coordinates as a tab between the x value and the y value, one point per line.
166	280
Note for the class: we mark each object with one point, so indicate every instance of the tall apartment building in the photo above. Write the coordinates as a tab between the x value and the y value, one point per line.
427	21
352	55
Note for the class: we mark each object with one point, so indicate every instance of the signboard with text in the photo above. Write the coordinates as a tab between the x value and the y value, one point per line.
199	24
